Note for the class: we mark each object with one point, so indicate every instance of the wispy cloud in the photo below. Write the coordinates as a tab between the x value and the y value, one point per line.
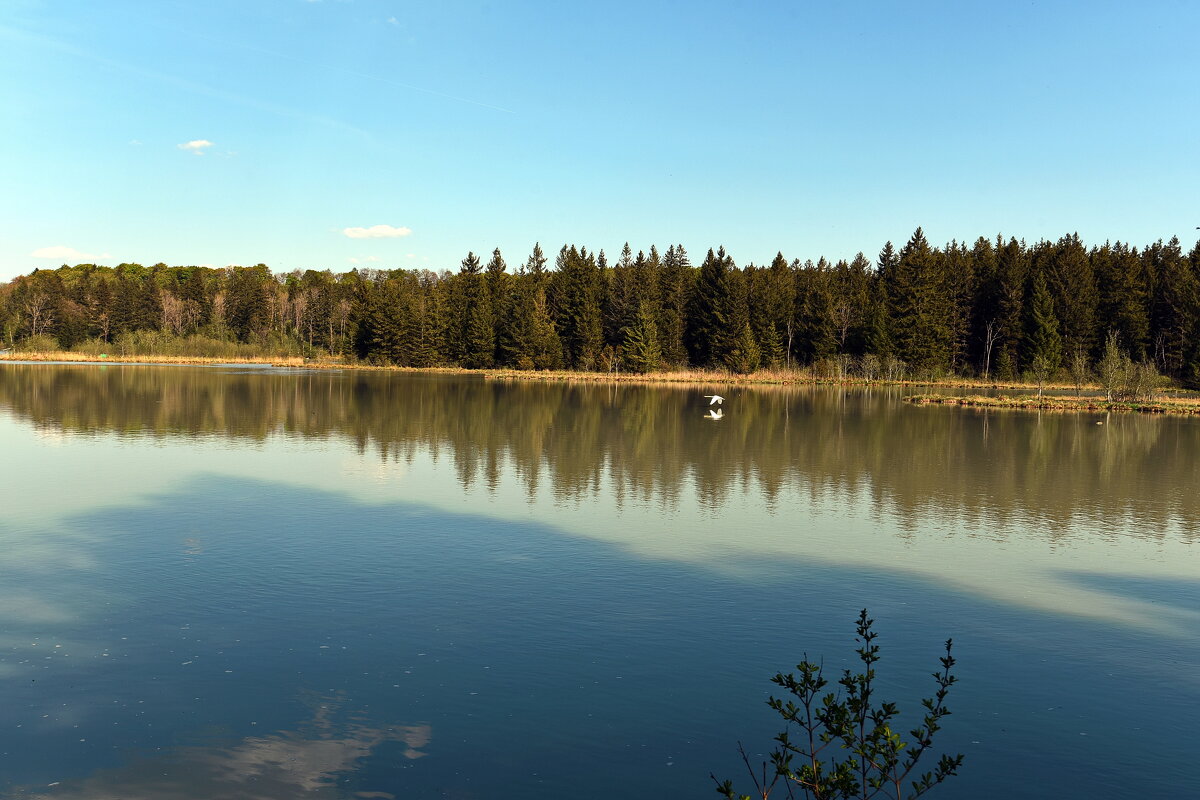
61	252
174	80
197	146
377	232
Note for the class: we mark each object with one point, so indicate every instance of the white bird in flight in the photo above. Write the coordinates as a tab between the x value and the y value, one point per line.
716	399
714	413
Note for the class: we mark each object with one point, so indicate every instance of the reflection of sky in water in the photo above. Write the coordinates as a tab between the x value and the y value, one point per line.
1021	560
311	760
171	605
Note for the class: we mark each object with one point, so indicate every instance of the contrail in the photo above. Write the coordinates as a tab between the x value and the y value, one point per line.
328	67
173	80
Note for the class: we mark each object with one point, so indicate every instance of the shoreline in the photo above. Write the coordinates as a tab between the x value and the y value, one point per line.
1188	406
1184	406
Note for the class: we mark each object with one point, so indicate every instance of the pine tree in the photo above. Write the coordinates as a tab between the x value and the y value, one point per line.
958	276
852	303
1012	270
1044	348
878	334
1175	306
577	307
709	311
773	297
673	289
478	338
641	349
1072	284
743	355
1124	301
816	326
920	305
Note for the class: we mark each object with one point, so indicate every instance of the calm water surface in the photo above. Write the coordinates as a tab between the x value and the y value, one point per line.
248	583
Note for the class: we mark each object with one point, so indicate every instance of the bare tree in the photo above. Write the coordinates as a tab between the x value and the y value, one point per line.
990	335
174	312
39	309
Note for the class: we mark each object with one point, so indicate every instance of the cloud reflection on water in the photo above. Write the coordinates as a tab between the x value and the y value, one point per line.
313	759
993	503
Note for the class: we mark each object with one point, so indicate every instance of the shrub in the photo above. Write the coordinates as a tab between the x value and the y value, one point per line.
872	760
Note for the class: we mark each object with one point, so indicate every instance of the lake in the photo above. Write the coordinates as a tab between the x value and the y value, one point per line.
258	583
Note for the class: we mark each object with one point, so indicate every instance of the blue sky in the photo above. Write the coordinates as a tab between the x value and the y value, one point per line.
296	132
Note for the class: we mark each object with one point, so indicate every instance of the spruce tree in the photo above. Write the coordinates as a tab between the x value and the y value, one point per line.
577	307
673	288
477	349
1072	284
1044	349
709	311
641	349
1175	305
816	326
920	305
1012	269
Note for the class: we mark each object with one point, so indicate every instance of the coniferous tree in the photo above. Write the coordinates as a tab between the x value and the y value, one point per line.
642	352
710	311
852	303
620	298
1045	347
958	278
1124	303
1073	286
920	305
816	324
673	289
773	297
1012	270
1175	305
577	307
477	345
739	349
879	340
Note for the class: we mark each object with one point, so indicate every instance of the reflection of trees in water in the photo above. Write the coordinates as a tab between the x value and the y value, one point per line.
309	761
652	444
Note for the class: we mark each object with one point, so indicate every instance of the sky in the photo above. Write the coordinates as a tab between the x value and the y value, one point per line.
339	134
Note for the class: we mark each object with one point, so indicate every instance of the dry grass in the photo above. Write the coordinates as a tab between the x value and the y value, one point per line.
1189	404
83	358
1166	405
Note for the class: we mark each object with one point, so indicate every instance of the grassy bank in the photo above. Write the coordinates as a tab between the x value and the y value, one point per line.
1166	405
108	358
1188	403
778	377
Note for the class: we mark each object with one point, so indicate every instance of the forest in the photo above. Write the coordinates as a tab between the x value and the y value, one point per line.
995	310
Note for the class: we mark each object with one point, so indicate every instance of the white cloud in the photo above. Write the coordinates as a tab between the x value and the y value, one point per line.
377	232
196	146
61	252
393	21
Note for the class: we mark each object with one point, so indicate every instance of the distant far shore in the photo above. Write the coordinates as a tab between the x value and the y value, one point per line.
1178	402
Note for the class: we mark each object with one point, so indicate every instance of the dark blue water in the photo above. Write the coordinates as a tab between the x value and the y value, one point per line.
268	601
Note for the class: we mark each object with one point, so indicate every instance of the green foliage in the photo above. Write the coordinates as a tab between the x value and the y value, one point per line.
921	305
39	344
998	308
642	352
845	744
1045	345
1123	379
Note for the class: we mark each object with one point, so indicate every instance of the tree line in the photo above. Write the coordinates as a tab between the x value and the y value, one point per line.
996	308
